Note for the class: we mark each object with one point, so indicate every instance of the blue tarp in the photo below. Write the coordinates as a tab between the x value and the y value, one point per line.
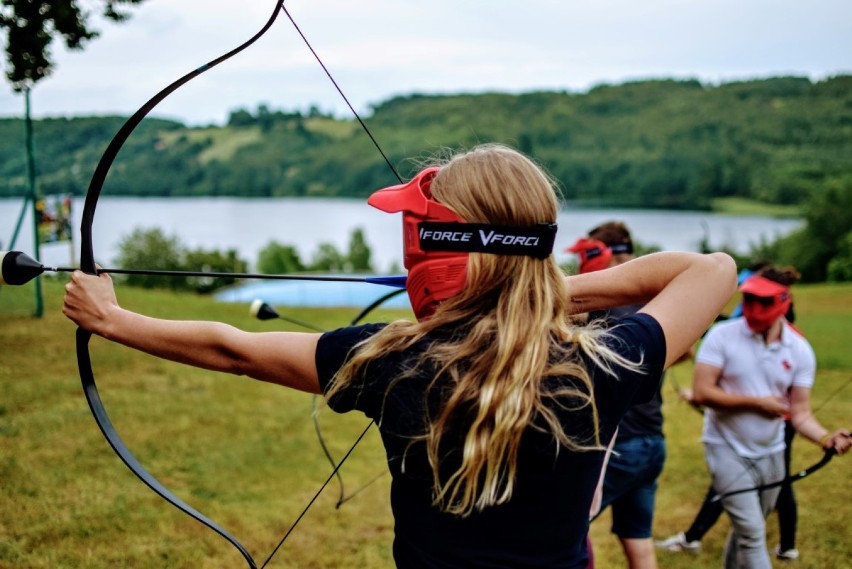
313	293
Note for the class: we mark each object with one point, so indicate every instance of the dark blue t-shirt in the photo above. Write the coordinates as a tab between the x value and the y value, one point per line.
643	419
546	521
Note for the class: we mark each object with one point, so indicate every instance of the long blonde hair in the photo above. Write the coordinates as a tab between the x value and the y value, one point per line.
509	365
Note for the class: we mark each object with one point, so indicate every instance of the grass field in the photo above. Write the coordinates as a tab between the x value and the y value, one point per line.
745	206
245	454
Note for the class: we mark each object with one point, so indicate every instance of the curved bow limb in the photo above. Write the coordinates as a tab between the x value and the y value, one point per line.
87	264
802	474
829	454
102	419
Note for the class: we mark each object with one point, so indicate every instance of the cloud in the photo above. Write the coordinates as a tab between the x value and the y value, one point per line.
380	48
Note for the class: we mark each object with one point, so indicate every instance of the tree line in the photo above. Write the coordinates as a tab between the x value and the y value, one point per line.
652	144
656	144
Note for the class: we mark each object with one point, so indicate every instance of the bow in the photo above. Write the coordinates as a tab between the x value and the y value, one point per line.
826	458
801	475
87	264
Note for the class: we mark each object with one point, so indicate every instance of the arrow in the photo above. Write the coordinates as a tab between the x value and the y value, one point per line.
19	268
262	311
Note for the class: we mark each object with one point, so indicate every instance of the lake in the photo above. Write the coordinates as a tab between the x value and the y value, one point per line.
247	225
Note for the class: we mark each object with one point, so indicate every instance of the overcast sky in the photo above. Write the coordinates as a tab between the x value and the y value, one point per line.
380	48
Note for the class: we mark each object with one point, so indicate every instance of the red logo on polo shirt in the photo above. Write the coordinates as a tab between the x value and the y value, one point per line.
787	365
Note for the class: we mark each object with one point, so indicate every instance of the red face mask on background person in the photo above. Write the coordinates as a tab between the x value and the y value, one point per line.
433	276
594	255
764	302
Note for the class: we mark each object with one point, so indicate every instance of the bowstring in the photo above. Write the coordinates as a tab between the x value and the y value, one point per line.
342	94
336	469
336	466
342	497
315	496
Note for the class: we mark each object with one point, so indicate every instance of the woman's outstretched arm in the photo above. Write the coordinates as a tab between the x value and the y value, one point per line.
684	292
285	358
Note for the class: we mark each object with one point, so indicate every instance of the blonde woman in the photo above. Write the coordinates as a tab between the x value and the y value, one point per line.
492	406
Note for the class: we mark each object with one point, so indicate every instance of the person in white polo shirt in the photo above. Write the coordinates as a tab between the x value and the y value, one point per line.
749	373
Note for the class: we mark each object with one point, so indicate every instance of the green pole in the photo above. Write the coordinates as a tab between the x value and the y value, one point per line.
31	178
19	222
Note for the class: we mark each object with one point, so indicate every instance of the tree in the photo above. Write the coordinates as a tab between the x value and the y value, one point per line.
151	249
154	250
840	267
31	27
819	250
328	259
359	252
828	224
276	258
241	117
212	261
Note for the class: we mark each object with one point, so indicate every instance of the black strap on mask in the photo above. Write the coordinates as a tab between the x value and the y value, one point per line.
618	248
535	241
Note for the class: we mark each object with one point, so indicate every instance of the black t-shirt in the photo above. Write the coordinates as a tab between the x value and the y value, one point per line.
546	521
643	419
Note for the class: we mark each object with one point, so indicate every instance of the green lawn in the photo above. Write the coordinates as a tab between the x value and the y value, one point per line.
245	453
744	206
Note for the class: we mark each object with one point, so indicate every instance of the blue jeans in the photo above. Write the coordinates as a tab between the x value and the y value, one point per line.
746	546
630	484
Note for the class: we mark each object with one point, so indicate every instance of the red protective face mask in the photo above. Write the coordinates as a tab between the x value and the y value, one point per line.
433	276
594	255
760	315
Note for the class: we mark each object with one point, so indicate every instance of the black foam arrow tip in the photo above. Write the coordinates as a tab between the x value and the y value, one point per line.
17	268
262	311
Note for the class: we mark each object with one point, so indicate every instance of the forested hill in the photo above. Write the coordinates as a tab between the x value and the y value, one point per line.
664	143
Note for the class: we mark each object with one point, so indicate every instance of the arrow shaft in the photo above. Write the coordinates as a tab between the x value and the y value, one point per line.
164	273
19	268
